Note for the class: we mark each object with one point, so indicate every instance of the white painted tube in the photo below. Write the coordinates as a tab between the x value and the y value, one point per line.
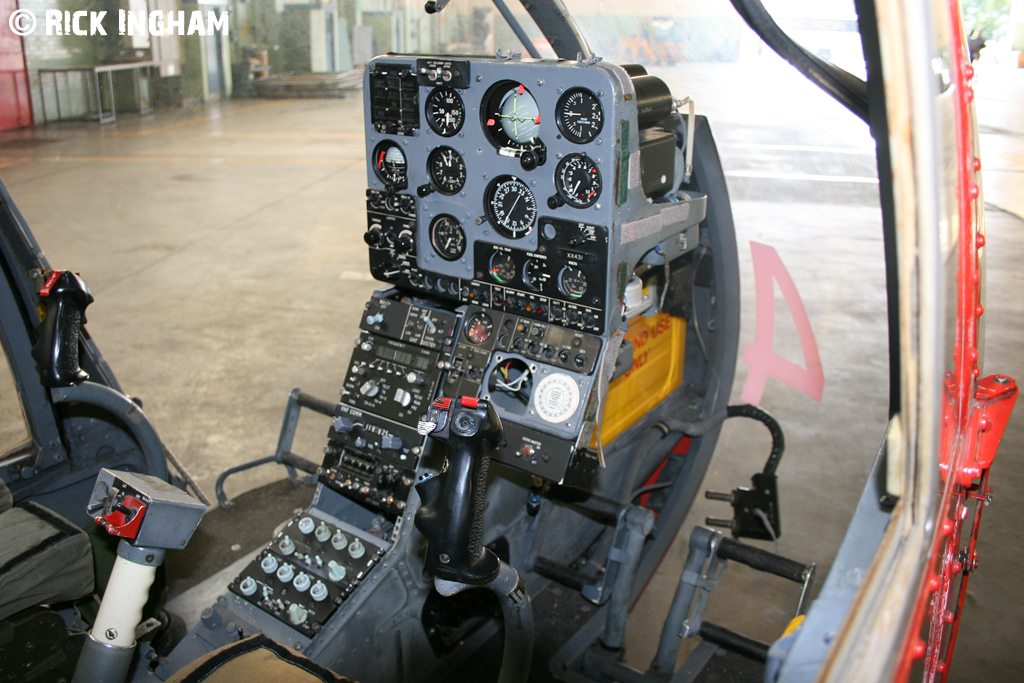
121	609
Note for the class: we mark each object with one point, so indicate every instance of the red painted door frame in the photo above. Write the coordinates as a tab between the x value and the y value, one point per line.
15	95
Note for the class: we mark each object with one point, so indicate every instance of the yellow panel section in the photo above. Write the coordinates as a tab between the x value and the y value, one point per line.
658	348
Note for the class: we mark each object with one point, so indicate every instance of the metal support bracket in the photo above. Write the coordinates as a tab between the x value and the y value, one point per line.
297	400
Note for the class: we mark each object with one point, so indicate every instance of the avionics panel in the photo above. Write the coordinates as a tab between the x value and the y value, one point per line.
373	449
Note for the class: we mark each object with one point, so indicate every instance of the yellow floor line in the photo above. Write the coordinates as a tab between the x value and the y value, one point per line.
280	134
198	119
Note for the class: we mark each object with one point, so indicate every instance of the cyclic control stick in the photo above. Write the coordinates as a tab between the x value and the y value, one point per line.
450	517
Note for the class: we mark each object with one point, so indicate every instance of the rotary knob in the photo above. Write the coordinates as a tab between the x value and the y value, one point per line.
369	389
404	244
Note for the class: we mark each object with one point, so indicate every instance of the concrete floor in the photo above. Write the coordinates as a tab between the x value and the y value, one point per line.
223	245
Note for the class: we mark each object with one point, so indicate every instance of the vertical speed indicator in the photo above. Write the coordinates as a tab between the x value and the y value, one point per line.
579	115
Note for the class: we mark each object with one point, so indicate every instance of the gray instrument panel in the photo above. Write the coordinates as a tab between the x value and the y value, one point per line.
494	168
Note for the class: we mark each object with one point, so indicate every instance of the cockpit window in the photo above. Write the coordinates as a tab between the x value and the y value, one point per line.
13	428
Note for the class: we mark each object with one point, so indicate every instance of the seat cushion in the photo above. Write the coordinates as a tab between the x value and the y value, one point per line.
44	558
255	660
6	499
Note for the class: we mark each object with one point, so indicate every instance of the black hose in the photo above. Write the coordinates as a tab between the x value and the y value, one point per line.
762	416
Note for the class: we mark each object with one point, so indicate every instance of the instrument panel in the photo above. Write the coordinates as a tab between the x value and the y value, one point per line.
508	170
519	194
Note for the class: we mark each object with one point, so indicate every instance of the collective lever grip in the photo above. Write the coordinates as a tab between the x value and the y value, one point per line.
56	349
451	510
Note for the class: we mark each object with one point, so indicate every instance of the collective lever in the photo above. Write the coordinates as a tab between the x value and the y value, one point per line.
56	349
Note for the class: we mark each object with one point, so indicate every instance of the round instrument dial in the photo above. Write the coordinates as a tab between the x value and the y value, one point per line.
510	206
447	170
445	111
572	282
535	273
578	180
479	328
579	115
389	164
447	237
503	268
511	115
556	397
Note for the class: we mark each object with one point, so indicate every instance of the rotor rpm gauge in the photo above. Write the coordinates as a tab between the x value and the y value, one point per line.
447	169
503	268
511	206
447	237
556	397
389	164
479	328
579	115
445	111
578	181
572	282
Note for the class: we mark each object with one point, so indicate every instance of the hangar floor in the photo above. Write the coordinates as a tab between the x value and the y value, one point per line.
223	245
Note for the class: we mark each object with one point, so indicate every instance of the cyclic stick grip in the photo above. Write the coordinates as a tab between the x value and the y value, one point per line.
451	511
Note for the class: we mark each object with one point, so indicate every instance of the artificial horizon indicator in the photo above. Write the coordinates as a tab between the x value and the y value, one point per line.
512	115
